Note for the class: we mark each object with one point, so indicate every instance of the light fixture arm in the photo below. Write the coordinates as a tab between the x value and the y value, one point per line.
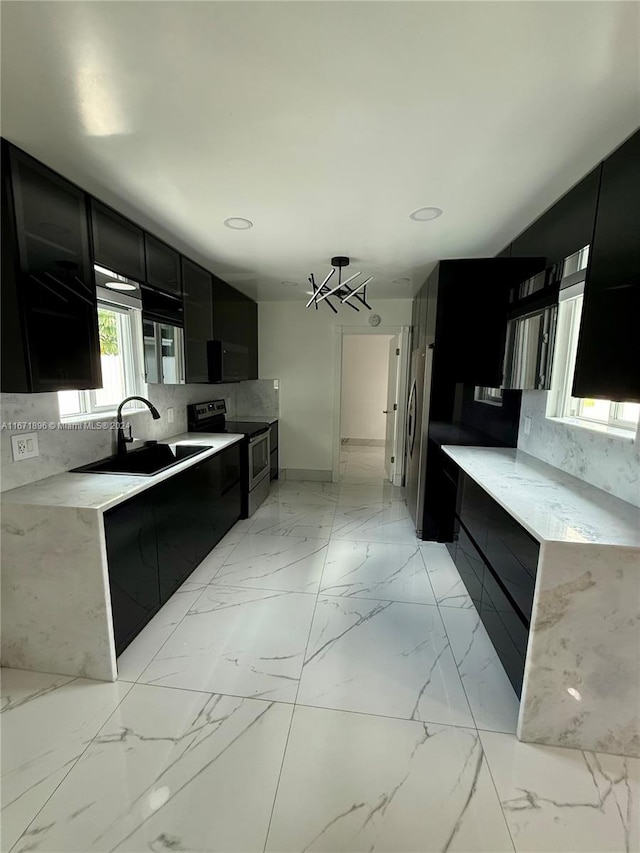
323	292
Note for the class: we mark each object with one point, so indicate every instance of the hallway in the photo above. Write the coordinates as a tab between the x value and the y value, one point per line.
322	683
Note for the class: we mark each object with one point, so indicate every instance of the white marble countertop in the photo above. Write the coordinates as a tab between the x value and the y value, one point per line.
101	492
551	505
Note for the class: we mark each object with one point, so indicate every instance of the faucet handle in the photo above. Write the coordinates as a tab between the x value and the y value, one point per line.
129	438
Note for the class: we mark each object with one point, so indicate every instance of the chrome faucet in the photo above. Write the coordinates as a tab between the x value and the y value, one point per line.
122	441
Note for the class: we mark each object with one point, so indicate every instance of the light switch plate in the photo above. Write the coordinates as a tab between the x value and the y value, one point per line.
170	415
24	446
527	425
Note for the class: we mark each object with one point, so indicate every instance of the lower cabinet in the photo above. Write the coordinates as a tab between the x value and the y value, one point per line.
497	561
130	531
155	540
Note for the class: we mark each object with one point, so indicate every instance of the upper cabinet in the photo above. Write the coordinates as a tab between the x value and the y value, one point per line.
565	228
53	234
235	321
198	319
118	244
49	318
163	266
608	359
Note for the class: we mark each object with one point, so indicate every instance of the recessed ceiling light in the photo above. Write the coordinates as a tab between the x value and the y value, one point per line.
400	280
424	214
289	283
120	285
238	223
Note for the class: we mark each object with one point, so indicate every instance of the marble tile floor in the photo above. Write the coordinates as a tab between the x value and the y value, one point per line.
322	682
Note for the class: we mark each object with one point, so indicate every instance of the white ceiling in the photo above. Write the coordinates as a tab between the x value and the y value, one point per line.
325	123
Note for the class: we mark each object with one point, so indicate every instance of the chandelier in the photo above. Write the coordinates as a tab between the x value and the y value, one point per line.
341	291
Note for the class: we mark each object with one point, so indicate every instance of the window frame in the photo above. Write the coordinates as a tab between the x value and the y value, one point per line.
130	335
562	404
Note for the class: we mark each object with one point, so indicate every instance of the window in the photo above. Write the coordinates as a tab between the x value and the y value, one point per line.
563	405
488	395
120	357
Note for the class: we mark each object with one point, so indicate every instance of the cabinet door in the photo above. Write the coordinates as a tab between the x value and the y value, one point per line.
133	567
513	555
470	565
163	266
250	322
507	630
187	521
235	320
198	319
566	227
54	281
118	244
609	345
474	510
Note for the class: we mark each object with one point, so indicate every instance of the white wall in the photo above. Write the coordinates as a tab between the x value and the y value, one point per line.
365	368
298	346
606	461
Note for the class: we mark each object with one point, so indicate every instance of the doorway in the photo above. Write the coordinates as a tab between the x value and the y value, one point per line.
371	375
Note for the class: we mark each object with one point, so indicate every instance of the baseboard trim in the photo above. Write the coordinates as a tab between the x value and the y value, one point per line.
364	442
305	474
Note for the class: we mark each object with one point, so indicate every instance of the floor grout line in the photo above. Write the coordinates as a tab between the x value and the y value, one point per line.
304	655
74	763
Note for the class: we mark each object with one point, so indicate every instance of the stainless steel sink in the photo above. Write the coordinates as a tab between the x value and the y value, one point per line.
144	462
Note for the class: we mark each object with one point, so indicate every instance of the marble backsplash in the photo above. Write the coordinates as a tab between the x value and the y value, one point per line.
62	449
607	461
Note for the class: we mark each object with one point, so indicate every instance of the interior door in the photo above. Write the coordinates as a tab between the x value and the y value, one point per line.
391	409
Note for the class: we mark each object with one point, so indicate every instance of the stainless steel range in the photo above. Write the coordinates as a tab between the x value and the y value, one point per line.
211	417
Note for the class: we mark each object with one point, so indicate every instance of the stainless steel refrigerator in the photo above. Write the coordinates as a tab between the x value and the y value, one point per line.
417	431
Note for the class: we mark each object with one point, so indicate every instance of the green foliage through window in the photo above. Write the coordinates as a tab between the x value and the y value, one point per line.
108	329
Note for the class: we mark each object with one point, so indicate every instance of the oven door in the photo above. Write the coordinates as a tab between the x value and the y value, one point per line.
259	461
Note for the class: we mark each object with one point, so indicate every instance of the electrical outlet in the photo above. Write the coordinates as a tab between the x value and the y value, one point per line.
527	425
170	415
24	446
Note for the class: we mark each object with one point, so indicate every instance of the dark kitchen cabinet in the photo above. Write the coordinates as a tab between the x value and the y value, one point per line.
235	321
198	319
154	541
509	633
130	533
49	317
608	358
565	227
470	565
513	554
273	445
462	310
163	266
187	522
118	244
497	561
194	510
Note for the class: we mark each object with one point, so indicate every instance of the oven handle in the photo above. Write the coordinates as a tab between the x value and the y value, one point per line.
259	437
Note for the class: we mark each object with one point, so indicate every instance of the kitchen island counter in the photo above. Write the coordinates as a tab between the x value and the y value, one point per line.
581	683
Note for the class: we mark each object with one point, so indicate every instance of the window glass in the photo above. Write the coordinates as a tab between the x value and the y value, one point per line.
588	410
113	329
120	359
